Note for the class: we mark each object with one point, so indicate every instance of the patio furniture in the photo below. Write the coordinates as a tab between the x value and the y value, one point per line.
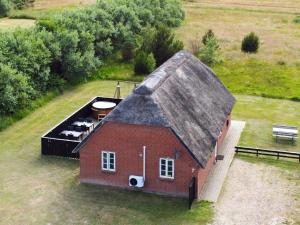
89	120
85	124
77	135
78	129
285	132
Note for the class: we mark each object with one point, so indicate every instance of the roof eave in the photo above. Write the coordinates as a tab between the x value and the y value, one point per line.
191	153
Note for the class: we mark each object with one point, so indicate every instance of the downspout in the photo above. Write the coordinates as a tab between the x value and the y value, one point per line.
144	162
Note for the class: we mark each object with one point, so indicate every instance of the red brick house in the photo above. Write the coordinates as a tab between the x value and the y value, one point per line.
167	131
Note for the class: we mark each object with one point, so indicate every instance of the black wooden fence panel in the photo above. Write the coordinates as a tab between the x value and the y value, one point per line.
59	147
268	152
192	192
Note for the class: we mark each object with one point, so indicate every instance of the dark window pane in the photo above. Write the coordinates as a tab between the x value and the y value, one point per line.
111	166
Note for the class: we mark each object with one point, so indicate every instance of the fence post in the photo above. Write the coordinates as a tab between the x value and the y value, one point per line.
277	155
256	152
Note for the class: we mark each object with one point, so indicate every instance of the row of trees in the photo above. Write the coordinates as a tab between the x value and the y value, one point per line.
74	44
7	5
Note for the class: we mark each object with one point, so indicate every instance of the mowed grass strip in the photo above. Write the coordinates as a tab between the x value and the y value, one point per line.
45	190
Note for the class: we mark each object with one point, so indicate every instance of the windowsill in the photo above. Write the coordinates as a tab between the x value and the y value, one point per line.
108	171
167	178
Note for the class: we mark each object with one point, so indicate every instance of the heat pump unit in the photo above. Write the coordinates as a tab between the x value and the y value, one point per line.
136	181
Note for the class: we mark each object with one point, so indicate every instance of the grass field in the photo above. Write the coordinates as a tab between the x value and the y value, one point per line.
275	70
45	190
41	190
46	8
10	24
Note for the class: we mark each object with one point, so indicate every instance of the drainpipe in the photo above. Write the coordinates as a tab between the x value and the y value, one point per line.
144	162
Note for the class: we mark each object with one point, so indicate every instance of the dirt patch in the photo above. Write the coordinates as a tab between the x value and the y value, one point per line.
256	194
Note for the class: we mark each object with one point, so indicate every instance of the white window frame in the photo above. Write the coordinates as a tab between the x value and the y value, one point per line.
167	160
108	154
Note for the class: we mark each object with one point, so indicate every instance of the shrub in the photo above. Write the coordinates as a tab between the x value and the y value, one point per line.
250	43
4	7
128	49
21	4
210	52
14	90
144	63
209	34
296	19
165	45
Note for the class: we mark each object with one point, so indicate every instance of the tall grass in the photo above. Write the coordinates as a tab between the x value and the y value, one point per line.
256	77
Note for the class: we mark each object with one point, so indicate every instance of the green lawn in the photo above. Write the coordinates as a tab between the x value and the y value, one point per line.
41	190
259	114
45	190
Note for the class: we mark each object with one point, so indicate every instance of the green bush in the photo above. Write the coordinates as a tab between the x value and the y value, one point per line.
4	7
128	49
21	4
296	19
250	43
209	34
144	63
164	44
210	52
15	90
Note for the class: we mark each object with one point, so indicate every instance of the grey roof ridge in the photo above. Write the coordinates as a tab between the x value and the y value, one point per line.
142	89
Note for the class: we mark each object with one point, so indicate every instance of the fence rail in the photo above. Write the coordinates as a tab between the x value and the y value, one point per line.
268	152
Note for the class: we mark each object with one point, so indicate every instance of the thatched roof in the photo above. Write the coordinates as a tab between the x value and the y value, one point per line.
184	95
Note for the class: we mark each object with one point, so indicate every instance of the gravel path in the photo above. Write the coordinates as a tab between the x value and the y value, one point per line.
256	194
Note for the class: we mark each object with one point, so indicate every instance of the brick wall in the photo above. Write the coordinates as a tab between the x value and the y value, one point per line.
127	142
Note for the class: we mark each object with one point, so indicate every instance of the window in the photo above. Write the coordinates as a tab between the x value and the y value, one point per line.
108	161
166	168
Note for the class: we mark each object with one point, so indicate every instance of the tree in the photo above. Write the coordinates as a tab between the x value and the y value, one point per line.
4	7
209	34
144	63
250	43
21	4
210	52
165	45
15	91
